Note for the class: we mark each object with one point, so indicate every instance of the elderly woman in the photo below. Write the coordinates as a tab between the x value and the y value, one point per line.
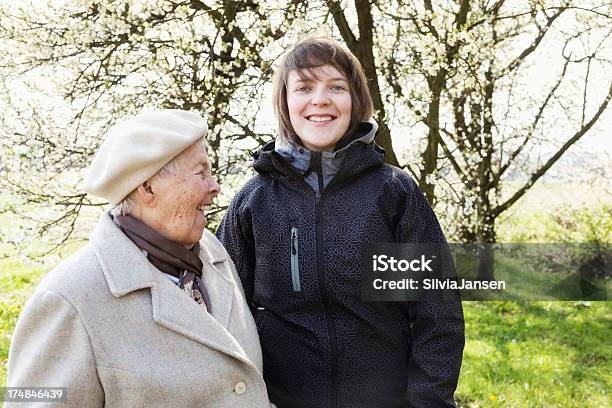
151	312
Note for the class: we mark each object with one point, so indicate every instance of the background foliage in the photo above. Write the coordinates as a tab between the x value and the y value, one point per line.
469	94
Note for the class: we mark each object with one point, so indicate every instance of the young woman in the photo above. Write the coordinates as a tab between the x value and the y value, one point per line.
296	232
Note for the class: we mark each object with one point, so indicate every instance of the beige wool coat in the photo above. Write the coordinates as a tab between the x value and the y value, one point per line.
116	332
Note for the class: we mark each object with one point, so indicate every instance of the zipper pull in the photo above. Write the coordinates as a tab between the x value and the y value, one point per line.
318	211
295	266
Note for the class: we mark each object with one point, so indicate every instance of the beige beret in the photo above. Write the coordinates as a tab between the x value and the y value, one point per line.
135	149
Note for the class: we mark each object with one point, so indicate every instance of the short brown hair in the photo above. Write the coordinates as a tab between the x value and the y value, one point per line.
314	52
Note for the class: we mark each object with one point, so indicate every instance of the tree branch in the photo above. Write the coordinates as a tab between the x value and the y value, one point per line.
536	42
340	19
536	120
540	172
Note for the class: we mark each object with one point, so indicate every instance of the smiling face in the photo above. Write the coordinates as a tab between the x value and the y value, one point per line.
180	199
319	107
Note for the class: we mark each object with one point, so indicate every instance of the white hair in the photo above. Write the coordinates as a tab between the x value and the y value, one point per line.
126	206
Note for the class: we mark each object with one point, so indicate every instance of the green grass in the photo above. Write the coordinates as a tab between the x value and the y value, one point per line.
17	281
537	354
546	353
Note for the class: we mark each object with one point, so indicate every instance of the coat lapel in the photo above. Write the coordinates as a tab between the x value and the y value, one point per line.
126	269
220	289
175	310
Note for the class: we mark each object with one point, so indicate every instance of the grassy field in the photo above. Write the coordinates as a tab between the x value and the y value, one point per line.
536	354
17	281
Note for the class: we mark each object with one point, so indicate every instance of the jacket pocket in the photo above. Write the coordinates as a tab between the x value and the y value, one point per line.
295	265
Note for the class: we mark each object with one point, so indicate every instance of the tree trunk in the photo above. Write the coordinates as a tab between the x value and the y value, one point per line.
483	235
429	157
486	256
486	260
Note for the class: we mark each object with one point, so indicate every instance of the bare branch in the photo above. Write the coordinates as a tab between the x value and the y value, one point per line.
534	45
536	121
544	168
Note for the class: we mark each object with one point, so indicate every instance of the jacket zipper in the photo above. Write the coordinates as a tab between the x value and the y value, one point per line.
295	266
327	304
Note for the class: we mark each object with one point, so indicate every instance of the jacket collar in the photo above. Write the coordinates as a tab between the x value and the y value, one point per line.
355	155
118	254
125	266
299	156
127	269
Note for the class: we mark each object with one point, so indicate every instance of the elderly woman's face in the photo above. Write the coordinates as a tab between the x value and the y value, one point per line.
182	198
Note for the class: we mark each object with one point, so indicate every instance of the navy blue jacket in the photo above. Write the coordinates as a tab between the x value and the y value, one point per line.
297	254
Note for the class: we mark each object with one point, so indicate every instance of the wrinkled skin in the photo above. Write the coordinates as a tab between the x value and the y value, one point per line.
178	198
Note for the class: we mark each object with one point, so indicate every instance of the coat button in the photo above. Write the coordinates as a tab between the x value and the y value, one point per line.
240	388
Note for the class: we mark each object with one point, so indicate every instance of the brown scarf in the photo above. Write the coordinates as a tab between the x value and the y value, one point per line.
168	256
